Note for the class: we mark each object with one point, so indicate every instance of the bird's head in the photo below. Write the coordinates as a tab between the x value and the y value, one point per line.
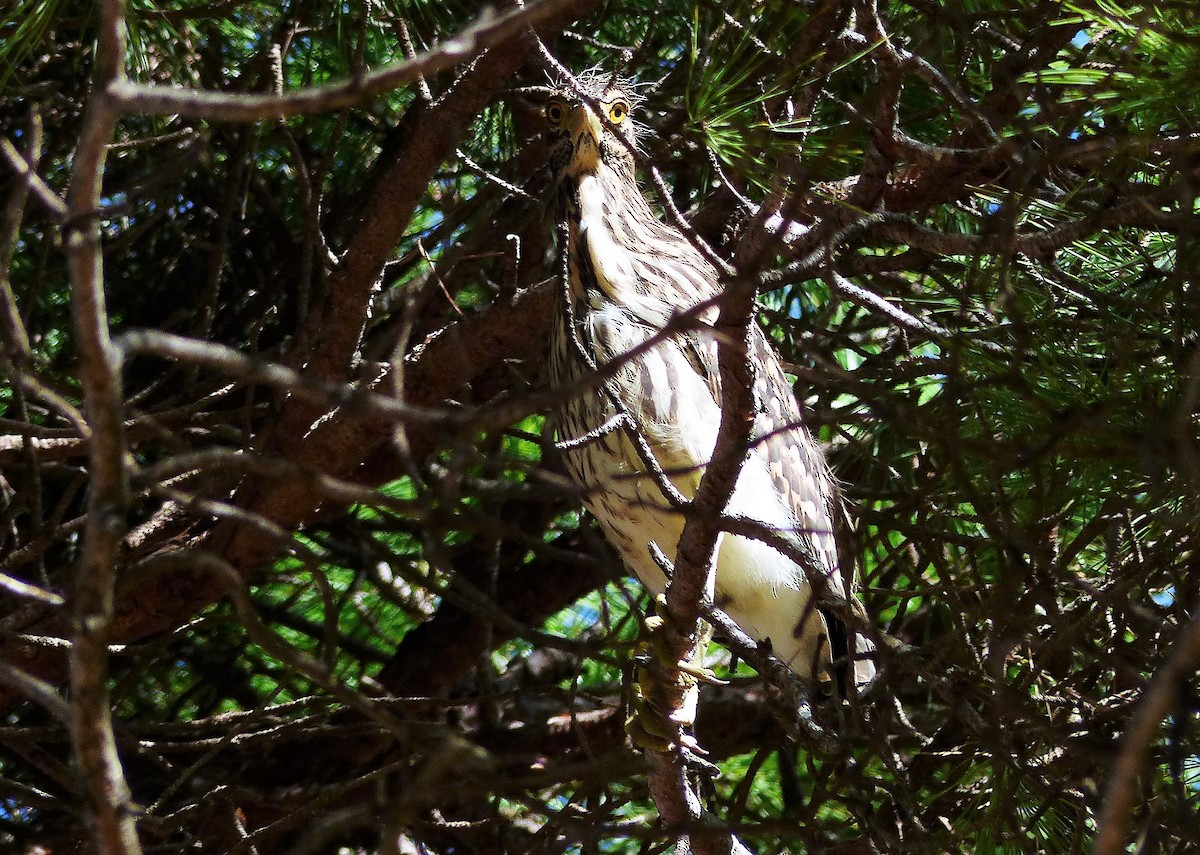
591	125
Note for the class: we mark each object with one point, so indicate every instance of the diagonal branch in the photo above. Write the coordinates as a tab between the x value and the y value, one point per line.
1162	696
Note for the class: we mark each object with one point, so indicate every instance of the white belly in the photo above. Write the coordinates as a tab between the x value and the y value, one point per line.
763	592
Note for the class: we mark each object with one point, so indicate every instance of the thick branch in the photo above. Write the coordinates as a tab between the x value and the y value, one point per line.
693	582
94	745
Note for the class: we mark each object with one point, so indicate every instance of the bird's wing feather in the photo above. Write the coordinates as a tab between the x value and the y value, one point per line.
798	472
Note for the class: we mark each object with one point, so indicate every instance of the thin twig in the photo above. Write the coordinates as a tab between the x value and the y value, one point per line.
30	179
487	31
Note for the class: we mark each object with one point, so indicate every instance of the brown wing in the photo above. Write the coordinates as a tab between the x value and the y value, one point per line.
800	473
801	477
796	464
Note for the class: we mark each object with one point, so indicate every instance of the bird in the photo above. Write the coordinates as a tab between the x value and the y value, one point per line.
627	276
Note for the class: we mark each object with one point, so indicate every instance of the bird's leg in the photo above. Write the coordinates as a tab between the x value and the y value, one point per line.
666	689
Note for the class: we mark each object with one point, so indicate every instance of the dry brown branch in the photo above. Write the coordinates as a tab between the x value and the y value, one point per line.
692	583
112	815
1161	698
488	31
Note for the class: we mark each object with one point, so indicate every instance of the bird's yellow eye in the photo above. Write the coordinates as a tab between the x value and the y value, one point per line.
555	112
617	112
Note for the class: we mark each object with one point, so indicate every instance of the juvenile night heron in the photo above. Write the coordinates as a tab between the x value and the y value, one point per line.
626	276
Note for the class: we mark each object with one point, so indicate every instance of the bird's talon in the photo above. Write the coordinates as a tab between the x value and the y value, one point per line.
704	675
653	721
644	739
694	761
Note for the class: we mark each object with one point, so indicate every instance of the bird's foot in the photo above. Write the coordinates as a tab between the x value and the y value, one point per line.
666	689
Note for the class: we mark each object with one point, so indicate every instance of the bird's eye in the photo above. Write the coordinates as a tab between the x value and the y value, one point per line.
617	112
555	111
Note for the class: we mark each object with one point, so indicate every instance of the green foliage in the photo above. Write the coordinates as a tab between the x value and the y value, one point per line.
1139	60
26	26
1015	440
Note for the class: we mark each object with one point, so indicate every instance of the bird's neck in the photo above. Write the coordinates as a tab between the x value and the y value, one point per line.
620	253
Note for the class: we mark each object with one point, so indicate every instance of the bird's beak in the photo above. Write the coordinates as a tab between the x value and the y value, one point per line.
585	130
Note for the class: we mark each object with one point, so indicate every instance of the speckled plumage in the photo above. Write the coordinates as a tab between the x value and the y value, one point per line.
626	274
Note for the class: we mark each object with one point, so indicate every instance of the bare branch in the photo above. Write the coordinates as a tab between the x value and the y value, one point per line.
1162	696
31	180
692	584
39	690
93	742
488	31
